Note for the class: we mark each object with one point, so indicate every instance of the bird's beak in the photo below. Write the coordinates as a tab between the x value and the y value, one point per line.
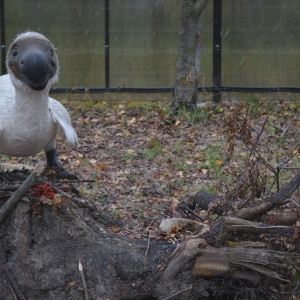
34	65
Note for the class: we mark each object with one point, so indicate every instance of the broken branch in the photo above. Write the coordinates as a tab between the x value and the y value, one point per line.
277	199
17	195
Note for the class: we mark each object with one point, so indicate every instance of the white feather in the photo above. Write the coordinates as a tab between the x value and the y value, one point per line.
30	120
61	116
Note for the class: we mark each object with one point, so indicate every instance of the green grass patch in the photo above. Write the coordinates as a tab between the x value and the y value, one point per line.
154	148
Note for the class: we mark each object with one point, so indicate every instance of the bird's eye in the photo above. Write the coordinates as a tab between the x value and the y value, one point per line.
14	52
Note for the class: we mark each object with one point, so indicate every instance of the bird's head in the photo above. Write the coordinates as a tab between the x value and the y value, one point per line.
32	60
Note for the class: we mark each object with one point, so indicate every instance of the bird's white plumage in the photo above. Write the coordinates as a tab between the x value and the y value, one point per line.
30	119
62	118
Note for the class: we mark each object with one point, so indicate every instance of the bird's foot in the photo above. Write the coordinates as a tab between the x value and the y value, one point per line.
60	172
55	168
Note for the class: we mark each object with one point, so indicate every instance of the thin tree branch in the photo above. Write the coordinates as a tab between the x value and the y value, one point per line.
277	199
86	295
17	195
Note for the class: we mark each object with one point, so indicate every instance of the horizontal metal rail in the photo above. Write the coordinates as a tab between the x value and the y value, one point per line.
171	89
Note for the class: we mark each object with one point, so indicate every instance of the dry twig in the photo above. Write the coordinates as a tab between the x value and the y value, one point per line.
86	295
17	195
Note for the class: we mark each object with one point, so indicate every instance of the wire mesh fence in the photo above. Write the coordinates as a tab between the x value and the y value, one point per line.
131	45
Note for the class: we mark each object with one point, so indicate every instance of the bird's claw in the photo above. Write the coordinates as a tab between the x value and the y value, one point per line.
60	173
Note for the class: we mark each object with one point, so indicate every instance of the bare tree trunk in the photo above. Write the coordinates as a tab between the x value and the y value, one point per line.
189	50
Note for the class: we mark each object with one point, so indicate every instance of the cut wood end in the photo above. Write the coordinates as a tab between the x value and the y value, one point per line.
206	269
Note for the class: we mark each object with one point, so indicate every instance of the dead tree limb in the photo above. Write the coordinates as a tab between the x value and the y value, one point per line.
231	261
281	218
263	229
277	199
17	195
232	224
199	260
240	225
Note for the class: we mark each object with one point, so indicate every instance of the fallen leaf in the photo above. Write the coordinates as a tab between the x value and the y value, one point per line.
132	121
218	162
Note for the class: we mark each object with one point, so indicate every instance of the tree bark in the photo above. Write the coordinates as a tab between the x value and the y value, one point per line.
51	253
189	50
40	250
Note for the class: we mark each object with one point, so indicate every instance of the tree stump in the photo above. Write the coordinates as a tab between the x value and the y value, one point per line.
63	252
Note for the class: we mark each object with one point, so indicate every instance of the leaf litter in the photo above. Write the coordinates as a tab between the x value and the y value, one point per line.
143	162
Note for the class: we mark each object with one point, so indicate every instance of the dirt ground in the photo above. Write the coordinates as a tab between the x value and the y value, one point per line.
137	162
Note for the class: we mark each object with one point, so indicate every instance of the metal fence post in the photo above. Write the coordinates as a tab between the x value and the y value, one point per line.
3	50
217	48
107	79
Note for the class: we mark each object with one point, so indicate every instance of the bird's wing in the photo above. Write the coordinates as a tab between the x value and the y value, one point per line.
6	87
61	116
7	96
